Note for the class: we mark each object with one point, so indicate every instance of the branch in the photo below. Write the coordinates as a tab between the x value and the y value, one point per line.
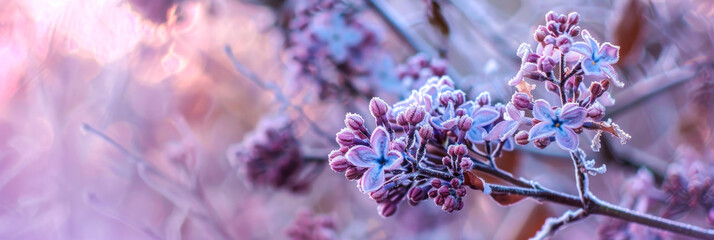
553	224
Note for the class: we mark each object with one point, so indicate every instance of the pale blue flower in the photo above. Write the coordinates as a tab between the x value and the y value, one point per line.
482	118
597	59
559	123
377	159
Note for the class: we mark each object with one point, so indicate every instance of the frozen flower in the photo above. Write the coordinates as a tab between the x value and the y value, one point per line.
338	36
446	121
559	123
597	58
482	117
506	128
376	159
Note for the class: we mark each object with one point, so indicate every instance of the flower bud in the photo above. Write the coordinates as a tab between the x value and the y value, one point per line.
562	18
573	18
564	42
433	193
426	132
459	97
340	164
345	137
402	120
354	121
454	183
353	173
532	58
415	114
449	204
443	191
461	191
549	40
439	66
521	138
439	200
464	123
466	163
387	209
551	16
445	98
596	90
459	205
521	101
378	107
605	84
484	98
574	32
541	142
550	86
552	27
435	183
398	144
546	64
446	161
459	150
540	34
416	194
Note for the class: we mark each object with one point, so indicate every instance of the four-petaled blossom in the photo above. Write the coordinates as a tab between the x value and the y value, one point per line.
506	128
561	123
377	159
446	121
598	57
482	117
338	36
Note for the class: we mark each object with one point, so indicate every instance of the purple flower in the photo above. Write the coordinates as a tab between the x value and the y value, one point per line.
597	58
377	159
482	117
506	128
561	123
446	121
338	36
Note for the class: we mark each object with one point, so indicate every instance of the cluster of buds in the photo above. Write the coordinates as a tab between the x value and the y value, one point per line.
419	68
332	47
688	185
310	227
423	145
270	156
579	73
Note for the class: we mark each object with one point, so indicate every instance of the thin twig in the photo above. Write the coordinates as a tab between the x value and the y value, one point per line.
552	225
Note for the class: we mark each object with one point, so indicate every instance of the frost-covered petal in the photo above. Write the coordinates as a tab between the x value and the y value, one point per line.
610	72
572	115
393	160
513	112
362	156
517	79
372	179
543	111
502	130
591	67
380	141
541	130
509	144
608	53
591	41
582	48
485	116
475	134
566	138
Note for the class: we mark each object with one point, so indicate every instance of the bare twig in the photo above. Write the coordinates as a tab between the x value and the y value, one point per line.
553	224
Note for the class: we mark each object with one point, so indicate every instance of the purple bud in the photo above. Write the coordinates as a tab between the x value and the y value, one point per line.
461	191
353	174
415	114
459	150
605	84
574	32
402	120
563	42
466	163
464	123
541	142
387	209
445	98
522	101
562	18
551	16
532	58
354	121
596	112
540	34
596	90
550	86
439	200
398	145
449	204
378	195
435	183
459	97
454	183
573	18
459	205
549	40
546	64
484	98
426	132
339	164
416	194
345	137
439	66
443	191
552	27
521	138
446	161
433	193
378	107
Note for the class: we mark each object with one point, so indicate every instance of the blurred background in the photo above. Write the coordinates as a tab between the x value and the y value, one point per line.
122	119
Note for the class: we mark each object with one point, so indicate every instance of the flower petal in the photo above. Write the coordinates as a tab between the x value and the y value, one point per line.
513	112
541	130
509	144
610	72
394	160
380	141
591	67
566	138
372	179
608	53
543	111
517	79
502	130
484	116
593	44
475	134
362	156
572	115
582	48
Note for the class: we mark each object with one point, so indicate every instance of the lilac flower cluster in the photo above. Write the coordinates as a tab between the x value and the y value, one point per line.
425	145
310	227
689	186
331	46
270	156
